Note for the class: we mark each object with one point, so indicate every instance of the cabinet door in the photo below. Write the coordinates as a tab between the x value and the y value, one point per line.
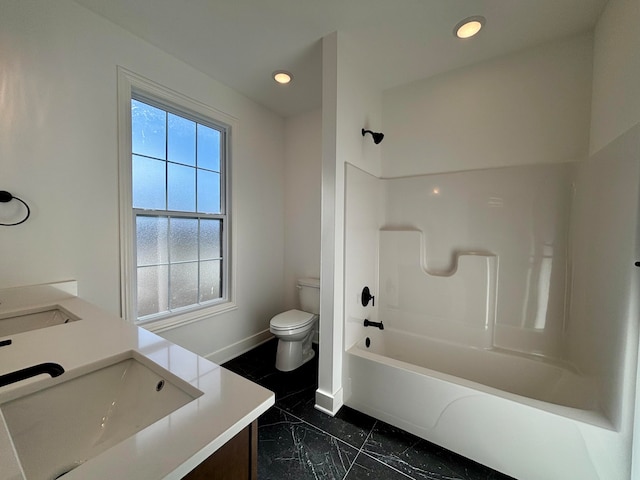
235	460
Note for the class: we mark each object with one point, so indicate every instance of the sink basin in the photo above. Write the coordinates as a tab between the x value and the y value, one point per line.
25	321
60	427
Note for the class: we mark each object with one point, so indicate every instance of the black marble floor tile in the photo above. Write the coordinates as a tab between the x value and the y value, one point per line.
255	364
367	468
348	425
290	449
258	365
420	459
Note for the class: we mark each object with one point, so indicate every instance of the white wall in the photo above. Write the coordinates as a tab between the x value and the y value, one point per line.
528	107
329	393
302	180
616	72
364	215
604	230
349	103
615	142
58	151
359	106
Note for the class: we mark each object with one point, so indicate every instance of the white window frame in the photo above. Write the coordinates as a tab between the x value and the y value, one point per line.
129	85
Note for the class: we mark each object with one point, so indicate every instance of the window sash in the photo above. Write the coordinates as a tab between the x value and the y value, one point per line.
166	260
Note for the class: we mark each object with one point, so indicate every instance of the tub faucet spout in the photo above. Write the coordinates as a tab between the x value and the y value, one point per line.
367	323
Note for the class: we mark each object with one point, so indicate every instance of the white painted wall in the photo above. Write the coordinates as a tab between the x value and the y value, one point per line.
359	106
58	151
528	107
616	72
302	183
350	102
329	393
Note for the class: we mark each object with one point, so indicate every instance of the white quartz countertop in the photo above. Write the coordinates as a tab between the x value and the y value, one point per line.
167	449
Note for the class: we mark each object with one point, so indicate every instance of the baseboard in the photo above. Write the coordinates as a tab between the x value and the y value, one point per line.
232	351
327	403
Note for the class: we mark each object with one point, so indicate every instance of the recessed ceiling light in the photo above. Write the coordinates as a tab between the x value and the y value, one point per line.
282	77
469	26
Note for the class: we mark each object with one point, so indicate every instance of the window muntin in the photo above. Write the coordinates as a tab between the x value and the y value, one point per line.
178	200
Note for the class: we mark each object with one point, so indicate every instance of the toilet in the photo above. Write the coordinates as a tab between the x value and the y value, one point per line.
294	328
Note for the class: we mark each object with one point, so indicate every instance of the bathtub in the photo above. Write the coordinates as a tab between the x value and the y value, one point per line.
527	418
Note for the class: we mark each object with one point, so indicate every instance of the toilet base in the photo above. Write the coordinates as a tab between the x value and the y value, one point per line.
292	355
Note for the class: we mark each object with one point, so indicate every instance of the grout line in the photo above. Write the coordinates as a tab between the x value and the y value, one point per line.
361	448
391	466
359	451
362	452
332	436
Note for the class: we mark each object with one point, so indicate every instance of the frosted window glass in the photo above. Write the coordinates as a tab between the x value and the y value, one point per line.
210	239
210	280
153	290
181	188
208	148
183	239
151	240
181	140
148	178
208	192
148	130
184	284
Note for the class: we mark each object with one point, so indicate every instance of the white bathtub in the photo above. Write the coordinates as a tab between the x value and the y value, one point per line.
529	419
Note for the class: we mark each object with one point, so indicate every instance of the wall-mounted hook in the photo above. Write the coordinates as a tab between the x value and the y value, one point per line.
366	296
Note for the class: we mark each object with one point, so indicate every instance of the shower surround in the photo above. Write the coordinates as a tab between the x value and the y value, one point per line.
527	265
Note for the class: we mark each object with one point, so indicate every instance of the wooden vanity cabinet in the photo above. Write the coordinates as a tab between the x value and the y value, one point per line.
235	460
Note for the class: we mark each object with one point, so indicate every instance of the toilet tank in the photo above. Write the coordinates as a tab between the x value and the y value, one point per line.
309	294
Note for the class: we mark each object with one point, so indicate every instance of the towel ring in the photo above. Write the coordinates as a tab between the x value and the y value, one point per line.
6	197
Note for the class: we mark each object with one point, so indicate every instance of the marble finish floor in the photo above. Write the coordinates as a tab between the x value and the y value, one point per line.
297	442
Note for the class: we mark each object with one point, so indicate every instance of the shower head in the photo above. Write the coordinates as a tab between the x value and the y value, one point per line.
377	137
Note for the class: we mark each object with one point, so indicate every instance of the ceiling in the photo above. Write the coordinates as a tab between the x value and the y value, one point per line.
241	42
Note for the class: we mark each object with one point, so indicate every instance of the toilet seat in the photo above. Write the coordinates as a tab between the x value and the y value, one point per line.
292	319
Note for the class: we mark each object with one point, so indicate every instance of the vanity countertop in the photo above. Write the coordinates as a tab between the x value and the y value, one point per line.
167	449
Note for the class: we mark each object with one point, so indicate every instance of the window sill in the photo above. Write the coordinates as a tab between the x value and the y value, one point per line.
159	326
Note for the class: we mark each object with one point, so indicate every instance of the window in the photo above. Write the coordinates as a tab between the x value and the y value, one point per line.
174	167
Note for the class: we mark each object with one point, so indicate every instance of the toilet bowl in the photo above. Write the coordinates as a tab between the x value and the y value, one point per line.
294	328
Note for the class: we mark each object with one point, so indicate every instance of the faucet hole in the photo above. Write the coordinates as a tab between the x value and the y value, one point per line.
159	385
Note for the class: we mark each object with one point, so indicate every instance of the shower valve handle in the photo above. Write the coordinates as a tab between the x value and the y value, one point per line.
366	296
